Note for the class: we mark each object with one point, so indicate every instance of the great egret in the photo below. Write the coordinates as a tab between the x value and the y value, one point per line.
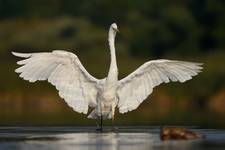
81	90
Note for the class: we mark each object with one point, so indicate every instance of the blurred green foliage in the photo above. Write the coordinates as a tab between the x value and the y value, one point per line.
150	27
179	29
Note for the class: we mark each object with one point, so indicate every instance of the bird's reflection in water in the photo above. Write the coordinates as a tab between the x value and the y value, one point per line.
94	141
86	138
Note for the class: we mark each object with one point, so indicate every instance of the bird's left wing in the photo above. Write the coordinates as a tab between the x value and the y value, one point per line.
134	88
63	70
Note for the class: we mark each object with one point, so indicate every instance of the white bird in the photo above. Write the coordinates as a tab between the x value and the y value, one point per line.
81	90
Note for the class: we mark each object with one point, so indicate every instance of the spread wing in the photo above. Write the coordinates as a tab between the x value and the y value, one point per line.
134	88
63	70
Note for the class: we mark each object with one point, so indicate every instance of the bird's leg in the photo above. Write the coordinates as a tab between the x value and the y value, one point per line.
112	117
101	123
97	124
100	118
100	128
112	128
113	113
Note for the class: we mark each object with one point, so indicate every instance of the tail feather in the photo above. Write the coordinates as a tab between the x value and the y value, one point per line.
93	115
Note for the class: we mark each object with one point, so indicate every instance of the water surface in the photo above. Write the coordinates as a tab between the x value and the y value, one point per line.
87	138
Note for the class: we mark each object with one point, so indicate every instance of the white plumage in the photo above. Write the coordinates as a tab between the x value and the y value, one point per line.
135	88
63	70
81	90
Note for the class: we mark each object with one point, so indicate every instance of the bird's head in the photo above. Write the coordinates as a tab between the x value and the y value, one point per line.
112	33
114	28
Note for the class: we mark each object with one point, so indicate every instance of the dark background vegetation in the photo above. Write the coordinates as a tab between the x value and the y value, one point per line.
191	30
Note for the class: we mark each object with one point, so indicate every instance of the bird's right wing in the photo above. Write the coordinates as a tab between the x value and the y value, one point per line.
63	70
134	88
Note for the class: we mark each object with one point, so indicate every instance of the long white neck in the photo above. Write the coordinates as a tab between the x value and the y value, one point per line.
113	70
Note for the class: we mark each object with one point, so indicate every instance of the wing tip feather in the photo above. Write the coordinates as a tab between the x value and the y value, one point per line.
23	55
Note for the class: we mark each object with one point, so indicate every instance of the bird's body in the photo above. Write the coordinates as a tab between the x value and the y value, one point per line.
81	90
107	99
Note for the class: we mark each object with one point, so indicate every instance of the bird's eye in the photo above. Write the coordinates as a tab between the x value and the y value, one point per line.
115	29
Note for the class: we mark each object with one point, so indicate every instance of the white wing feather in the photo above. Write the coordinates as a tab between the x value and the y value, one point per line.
133	89
63	70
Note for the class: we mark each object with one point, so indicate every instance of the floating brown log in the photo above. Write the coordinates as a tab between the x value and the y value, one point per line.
178	133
